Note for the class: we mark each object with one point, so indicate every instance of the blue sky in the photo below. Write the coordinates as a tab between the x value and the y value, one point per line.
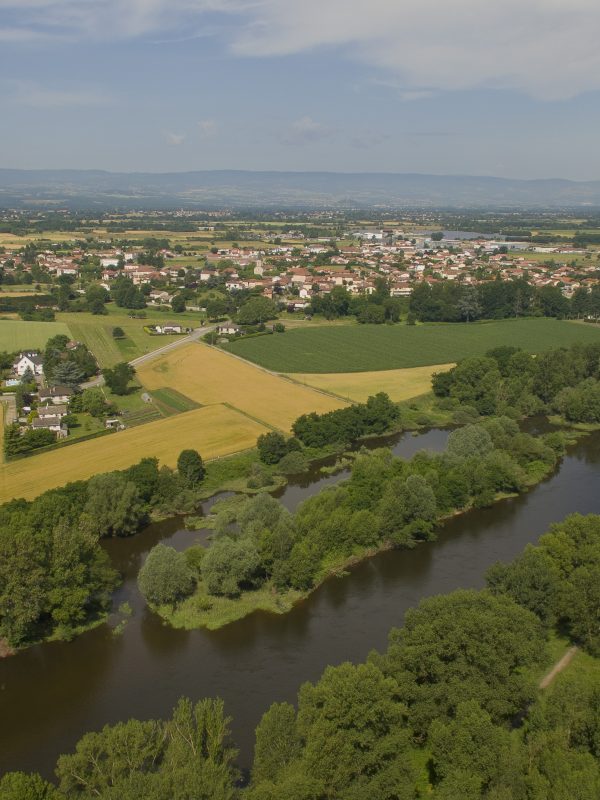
497	87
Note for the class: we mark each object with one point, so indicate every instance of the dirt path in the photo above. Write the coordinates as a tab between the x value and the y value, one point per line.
558	667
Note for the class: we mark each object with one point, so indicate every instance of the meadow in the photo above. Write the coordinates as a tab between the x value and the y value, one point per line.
215	431
365	348
399	384
207	375
20	335
97	332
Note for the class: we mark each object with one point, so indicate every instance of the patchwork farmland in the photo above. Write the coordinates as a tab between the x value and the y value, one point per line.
207	376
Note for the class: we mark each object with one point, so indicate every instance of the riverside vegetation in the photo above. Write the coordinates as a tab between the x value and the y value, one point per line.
265	558
452	709
55	578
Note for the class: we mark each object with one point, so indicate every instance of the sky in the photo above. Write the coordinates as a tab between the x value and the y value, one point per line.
480	87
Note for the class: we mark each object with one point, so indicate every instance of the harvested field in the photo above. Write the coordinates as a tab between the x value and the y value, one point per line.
399	384
209	376
214	432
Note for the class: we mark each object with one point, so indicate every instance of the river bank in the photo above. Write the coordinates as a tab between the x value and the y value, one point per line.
205	610
52	693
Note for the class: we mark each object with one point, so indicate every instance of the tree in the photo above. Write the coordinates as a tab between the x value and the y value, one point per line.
228	565
19	786
277	743
67	373
178	303
92	401
105	758
272	447
114	506
190	468
166	576
407	509
118	332
97	308
470	744
117	378
462	646
472	441
216	308
256	310
356	741
468	303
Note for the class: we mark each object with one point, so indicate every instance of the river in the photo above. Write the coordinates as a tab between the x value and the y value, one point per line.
53	693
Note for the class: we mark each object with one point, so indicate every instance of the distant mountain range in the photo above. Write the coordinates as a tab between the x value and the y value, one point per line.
301	190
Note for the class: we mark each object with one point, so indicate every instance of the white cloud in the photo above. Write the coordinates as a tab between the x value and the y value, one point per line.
176	139
208	128
304	131
547	48
34	95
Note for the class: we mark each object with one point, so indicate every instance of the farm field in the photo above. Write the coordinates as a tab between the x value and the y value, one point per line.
209	376
365	348
399	384
19	335
215	431
96	333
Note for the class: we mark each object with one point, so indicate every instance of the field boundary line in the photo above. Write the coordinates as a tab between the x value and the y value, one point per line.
249	416
274	374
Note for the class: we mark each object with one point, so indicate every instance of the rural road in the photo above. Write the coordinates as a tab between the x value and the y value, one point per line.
192	337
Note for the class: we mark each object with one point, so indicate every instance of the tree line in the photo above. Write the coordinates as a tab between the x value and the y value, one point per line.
451	709
386	501
510	381
54	574
449	301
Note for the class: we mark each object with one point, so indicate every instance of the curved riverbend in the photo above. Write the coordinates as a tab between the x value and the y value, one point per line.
51	694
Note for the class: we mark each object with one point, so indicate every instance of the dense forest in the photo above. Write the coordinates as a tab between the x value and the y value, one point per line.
450	710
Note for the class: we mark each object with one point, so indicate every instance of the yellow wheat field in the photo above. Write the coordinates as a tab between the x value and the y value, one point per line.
400	384
211	376
214	431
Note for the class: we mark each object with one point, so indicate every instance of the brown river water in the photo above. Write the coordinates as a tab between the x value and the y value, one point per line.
53	693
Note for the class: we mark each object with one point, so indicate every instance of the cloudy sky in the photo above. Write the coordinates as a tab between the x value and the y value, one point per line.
497	87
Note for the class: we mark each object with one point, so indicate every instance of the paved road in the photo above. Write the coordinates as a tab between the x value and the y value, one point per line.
192	337
136	362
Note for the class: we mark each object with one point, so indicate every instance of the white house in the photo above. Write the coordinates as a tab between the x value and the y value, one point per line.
229	329
171	327
50	424
56	395
29	361
53	410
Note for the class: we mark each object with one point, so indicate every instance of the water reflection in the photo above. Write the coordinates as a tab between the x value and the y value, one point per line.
51	694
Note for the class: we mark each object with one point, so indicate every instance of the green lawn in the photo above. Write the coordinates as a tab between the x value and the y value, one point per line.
96	332
19	335
360	348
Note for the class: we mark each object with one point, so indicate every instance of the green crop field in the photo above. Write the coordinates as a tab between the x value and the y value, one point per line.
360	348
20	335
